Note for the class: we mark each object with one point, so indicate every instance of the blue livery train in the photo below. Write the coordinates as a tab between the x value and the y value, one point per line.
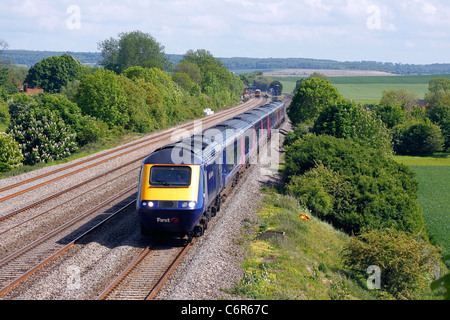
181	185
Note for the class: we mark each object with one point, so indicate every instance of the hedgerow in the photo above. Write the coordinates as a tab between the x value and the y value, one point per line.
407	264
354	187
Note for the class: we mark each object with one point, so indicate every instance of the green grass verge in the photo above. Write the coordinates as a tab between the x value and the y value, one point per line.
304	264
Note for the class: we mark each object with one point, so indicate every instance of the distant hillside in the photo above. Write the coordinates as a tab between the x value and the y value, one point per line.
29	58
240	64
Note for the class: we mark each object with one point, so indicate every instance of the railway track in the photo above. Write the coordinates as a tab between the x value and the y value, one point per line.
26	261
17	266
62	174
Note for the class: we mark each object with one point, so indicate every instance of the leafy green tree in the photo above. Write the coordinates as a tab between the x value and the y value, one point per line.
5	117
391	114
298	83
440	114
133	49
400	97
10	154
311	97
438	92
354	187
87	128
19	104
417	138
216	81
102	96
43	136
191	69
344	119
51	74
5	82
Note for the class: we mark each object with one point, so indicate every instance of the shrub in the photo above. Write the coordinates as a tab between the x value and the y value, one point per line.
10	155
348	120
417	138
4	113
43	136
101	95
311	97
406	263
440	115
391	115
355	188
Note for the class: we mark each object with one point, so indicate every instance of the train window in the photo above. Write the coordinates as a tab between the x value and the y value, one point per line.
165	176
247	144
230	164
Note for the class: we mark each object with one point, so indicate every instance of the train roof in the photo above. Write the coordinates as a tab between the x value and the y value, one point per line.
203	148
194	150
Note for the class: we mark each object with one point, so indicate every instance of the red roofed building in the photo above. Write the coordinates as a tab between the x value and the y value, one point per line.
31	91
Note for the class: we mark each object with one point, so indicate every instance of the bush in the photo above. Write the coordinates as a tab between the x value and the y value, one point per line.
101	95
391	115
4	113
311	97
417	138
356	188
406	263
43	136
10	155
440	115
348	120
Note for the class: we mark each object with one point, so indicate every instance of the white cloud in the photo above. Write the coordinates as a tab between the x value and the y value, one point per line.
329	28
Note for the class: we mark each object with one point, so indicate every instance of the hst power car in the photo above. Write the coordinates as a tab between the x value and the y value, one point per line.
181	185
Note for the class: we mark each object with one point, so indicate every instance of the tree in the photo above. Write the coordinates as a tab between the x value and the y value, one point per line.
314	75
311	97
346	119
51	74
400	97
391	114
10	155
191	69
216	81
417	138
133	49
438	92
440	114
101	95
354	187
43	136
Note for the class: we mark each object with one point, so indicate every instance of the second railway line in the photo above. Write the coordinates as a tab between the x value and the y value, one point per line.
106	263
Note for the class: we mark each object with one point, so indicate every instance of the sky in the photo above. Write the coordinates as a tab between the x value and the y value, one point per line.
398	31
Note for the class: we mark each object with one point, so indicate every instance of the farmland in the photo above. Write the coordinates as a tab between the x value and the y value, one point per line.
370	89
433	175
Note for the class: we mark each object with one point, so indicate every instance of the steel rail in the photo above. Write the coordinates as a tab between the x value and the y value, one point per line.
167	133
59	252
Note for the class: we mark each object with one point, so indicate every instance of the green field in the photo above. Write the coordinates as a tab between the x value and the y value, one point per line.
370	89
433	175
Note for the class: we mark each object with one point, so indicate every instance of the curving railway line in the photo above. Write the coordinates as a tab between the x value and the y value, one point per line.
44	215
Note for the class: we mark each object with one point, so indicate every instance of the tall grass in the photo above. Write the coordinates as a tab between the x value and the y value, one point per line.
303	264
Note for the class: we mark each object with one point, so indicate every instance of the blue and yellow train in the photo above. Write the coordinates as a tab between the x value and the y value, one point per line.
181	185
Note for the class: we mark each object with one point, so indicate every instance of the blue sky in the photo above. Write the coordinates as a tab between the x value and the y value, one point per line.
405	31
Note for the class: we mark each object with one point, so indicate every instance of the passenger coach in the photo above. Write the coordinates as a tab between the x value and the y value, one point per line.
181	185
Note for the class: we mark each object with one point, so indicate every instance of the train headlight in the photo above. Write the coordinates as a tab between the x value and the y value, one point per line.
191	204
150	204
184	204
